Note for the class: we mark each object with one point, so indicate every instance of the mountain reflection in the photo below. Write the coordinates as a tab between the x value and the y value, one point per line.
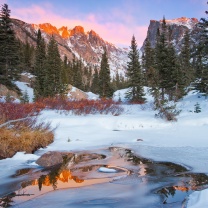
53	179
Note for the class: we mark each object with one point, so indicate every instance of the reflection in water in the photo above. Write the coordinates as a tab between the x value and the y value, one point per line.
59	178
53	178
23	172
173	181
174	194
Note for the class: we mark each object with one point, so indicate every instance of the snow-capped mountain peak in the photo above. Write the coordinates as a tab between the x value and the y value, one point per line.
188	22
86	45
177	27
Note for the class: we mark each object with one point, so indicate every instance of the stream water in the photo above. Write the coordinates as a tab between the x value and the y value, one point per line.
118	178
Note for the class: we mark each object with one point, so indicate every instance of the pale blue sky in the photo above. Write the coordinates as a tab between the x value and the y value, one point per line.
114	20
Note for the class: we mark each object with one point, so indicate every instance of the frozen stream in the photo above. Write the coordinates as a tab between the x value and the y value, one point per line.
116	178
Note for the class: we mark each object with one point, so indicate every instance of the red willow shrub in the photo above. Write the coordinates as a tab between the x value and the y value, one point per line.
13	111
81	107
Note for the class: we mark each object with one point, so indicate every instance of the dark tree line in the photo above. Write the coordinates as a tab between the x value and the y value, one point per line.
170	73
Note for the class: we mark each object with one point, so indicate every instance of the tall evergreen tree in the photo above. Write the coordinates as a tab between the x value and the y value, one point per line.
40	67
202	57
134	74
95	82
64	71
104	77
185	65
148	62
53	67
163	73
174	88
78	74
9	58
162	60
74	70
28	56
89	77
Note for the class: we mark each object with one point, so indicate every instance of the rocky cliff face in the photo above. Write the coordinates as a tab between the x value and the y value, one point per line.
178	28
86	45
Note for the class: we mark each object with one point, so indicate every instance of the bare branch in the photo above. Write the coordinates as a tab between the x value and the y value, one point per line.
13	121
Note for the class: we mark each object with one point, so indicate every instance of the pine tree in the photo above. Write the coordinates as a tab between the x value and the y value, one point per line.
53	82
162	60
134	74
202	58
199	68
9	58
25	97
185	65
164	75
74	69
148	61
95	82
78	75
174	88
89	77
40	67
197	108
104	78
64	71
28	56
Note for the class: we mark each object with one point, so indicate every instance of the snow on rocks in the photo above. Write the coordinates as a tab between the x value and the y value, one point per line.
77	94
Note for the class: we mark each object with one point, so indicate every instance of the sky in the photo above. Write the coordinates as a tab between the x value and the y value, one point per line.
114	20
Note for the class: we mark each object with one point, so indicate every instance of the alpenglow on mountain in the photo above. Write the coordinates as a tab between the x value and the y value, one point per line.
88	46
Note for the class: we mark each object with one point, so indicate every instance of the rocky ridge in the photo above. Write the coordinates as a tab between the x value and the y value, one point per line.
178	27
90	46
86	45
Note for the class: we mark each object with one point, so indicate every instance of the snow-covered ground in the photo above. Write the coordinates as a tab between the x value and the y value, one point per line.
23	86
184	142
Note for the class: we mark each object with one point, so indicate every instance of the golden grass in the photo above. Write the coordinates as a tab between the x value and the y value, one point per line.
25	139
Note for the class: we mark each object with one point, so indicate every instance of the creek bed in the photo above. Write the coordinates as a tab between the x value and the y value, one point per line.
115	178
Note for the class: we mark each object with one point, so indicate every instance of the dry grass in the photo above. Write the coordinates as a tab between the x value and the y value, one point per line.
26	139
24	133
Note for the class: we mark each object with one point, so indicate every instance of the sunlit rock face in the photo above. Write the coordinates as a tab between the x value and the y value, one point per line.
177	28
87	45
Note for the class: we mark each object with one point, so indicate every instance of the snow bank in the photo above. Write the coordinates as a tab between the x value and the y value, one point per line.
23	86
198	199
92	96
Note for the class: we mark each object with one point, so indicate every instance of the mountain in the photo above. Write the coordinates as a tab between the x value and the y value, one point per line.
178	27
86	45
